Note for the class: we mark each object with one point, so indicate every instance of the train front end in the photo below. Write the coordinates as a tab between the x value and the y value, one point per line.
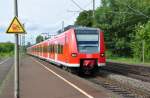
90	52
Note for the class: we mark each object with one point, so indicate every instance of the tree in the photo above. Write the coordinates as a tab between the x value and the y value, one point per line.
142	36
85	19
118	18
39	39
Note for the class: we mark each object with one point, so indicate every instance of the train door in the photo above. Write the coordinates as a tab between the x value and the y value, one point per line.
56	55
66	49
48	49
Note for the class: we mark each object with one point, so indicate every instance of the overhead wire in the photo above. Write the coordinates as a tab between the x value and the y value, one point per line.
134	10
77	5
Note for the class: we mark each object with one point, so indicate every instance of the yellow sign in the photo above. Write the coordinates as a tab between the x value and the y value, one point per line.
15	27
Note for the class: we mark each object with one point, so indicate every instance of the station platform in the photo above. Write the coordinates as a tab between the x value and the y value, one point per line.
39	80
43	80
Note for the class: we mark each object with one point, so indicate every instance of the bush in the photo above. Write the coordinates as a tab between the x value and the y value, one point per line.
142	36
6	49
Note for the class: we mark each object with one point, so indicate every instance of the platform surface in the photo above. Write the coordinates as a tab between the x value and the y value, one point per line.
38	80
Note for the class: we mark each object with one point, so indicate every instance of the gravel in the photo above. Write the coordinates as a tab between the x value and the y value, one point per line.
129	81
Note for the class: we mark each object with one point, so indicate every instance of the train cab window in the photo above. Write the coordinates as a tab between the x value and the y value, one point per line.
87	41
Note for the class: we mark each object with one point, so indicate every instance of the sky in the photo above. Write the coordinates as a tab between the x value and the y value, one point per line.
40	16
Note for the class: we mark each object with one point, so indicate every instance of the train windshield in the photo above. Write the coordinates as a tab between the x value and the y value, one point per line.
87	41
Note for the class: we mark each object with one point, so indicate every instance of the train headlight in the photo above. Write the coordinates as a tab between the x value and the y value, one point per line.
74	54
102	54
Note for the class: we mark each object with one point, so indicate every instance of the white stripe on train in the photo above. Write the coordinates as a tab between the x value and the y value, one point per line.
66	64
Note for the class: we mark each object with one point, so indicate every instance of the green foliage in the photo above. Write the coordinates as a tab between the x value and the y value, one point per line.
39	39
85	19
118	18
142	36
6	49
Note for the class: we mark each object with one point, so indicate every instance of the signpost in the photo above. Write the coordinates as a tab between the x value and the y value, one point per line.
16	28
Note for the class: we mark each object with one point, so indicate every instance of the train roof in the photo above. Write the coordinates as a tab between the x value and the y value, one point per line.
77	28
71	27
81	28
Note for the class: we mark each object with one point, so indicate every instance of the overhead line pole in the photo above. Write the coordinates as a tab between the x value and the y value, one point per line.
93	12
93	8
62	26
16	66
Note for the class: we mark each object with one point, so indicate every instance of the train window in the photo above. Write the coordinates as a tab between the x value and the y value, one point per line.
49	48
61	49
87	41
52	48
58	48
45	49
40	49
37	48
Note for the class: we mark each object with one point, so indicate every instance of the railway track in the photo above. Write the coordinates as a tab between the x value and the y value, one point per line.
125	91
134	71
121	89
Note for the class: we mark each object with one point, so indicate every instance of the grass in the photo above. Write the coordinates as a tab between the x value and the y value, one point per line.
5	55
128	60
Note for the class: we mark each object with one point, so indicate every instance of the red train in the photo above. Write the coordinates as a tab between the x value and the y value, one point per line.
79	48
